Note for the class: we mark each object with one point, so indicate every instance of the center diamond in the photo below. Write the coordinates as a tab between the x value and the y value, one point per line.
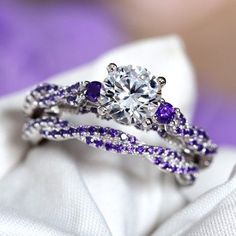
130	94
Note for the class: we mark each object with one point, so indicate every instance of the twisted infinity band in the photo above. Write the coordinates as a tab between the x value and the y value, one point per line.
130	96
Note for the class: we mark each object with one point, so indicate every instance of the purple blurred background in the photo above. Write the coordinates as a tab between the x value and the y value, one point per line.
39	40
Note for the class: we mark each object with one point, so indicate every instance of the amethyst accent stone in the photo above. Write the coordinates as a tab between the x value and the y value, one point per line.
113	132
54	133
162	133
108	146
88	140
68	89
165	113
75	86
64	123
191	132
178	130
119	148
102	130
140	149
159	150
207	151
71	131
61	92
166	165
150	150
81	129
130	149
173	169
51	98
98	143
158	160
91	129
199	147
193	143
93	91
182	119
191	169
202	133
62	132
132	139
71	99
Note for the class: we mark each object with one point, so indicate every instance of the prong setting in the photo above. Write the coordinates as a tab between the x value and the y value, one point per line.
111	67
161	80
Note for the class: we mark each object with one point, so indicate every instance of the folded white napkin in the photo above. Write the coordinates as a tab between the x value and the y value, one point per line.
68	188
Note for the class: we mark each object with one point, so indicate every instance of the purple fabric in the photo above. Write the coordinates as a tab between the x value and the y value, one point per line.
39	40
216	113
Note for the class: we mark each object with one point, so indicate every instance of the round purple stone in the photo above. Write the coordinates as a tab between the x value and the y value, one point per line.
93	91
165	113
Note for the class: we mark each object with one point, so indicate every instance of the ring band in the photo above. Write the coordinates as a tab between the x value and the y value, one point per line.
130	96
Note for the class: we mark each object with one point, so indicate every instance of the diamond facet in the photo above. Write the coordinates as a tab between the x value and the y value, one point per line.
130	94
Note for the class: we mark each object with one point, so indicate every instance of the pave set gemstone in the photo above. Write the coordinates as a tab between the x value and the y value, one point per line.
111	140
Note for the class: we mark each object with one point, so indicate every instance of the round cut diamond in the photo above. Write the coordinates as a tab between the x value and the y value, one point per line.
130	94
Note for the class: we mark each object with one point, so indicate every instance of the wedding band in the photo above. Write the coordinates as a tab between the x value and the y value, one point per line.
129	95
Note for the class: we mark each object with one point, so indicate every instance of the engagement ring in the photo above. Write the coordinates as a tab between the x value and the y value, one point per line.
130	96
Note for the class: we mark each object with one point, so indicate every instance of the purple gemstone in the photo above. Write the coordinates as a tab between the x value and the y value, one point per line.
132	139
191	132
113	132
199	147
182	119
71	131
207	151
169	152
186	132
108	146
98	143
93	91
158	160
48	87
119	148
64	123
162	132
193	143
81	129
130	149
181	170
192	169
173	168
166	165
102	131
91	129
150	150
75	86
61	92
71	99
165	113
159	150
68	89
51	98
62	132
88	140
178	130
54	133
203	134
140	149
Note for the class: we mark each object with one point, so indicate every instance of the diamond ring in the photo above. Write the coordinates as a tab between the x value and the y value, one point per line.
130	96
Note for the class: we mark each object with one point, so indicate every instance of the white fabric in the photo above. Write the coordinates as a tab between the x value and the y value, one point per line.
68	188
